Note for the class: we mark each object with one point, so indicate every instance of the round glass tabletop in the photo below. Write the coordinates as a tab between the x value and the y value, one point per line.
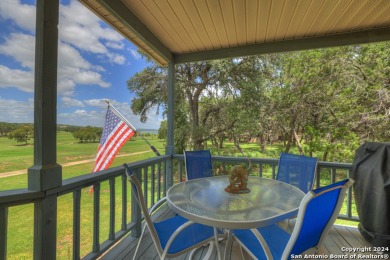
205	201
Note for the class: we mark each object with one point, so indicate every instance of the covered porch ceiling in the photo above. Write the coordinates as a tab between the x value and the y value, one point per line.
178	31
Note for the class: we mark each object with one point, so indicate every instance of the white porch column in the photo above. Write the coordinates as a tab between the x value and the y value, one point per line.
45	174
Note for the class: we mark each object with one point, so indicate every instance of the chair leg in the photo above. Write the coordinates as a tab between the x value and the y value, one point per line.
217	243
242	253
139	242
209	251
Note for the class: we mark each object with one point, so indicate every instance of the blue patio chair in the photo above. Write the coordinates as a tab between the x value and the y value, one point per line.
174	236
297	170
317	213
198	164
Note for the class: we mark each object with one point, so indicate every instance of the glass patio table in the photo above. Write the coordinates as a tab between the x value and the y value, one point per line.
205	201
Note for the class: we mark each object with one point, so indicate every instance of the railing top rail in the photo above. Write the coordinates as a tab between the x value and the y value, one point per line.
18	197
338	165
23	196
87	180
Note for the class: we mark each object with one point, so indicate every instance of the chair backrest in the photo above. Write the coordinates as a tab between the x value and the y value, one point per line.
198	164
137	190
297	170
317	214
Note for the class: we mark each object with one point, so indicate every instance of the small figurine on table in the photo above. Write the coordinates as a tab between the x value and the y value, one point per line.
238	180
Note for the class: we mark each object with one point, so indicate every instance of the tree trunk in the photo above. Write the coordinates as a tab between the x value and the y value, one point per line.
325	156
221	138
298	143
288	144
262	143
198	144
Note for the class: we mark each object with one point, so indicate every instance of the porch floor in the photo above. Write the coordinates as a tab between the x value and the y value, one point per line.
338	237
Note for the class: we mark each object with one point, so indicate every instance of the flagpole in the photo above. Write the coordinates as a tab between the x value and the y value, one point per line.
132	127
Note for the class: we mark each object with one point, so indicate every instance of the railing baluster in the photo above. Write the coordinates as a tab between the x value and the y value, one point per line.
165	179
333	175
76	223
111	235
3	232
273	171
96	220
349	198
318	177
180	171
124	202
145	188
260	169
136	211
153	183
159	181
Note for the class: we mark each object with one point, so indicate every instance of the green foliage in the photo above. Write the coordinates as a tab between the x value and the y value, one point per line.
69	128
162	131
6	128
22	134
325	101
88	134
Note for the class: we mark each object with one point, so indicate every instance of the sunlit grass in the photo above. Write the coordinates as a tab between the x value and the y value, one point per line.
21	218
14	156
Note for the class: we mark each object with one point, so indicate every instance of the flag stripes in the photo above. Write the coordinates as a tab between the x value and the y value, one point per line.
115	134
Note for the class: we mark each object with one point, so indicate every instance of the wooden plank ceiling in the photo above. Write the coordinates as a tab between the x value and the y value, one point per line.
193	26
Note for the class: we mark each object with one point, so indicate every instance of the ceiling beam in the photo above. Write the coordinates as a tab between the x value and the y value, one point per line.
123	14
334	40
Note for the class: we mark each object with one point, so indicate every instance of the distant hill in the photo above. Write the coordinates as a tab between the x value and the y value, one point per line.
64	127
151	131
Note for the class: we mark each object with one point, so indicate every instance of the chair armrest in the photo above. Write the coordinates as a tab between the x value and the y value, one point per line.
157	205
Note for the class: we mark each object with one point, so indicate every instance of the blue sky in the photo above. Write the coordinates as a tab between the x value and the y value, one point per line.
94	64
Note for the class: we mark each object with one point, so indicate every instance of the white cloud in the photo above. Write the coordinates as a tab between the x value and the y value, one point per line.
71	102
85	39
21	47
14	111
80	33
69	57
101	103
135	54
116	45
23	80
73	69
89	78
153	121
22	14
86	33
116	58
66	87
81	117
84	117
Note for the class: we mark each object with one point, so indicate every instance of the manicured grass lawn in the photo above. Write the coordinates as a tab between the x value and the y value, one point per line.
21	218
14	156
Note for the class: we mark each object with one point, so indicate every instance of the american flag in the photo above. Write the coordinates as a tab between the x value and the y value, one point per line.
115	134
